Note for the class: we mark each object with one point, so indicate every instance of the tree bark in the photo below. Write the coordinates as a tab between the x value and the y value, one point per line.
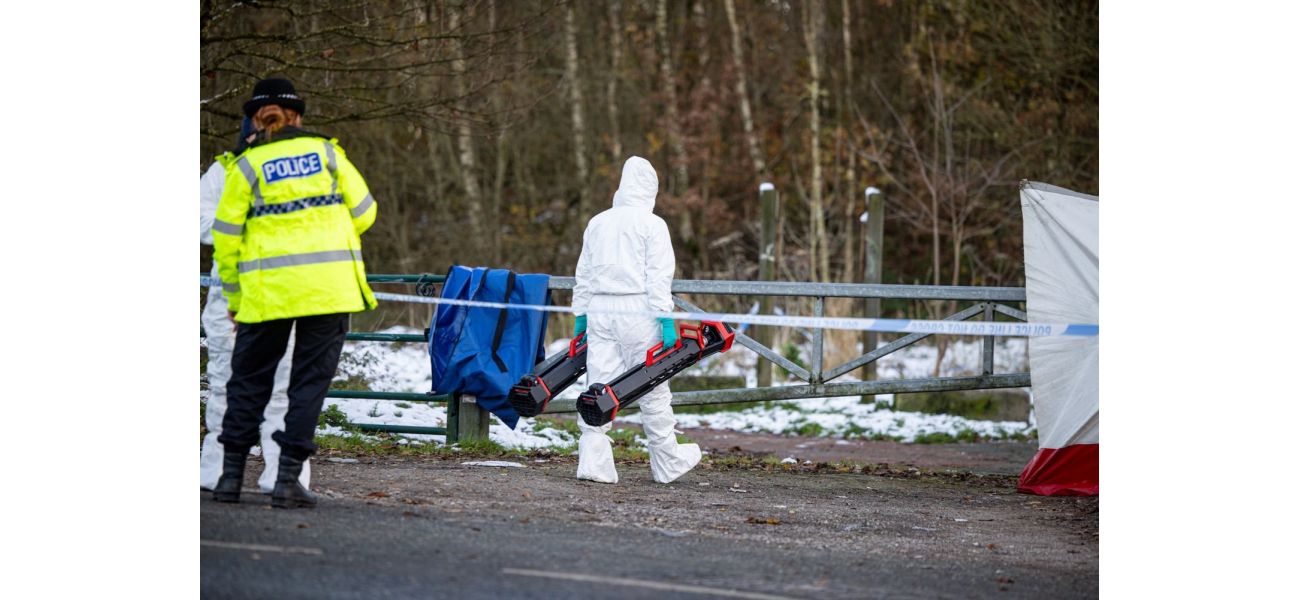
495	251
578	118
678	182
611	86
817	243
467	153
742	92
694	224
851	187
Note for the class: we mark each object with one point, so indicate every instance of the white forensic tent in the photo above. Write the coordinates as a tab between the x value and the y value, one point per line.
1061	281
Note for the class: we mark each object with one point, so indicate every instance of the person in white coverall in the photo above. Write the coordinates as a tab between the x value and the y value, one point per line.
627	264
221	342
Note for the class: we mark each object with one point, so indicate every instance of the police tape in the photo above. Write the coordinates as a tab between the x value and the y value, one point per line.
978	328
975	328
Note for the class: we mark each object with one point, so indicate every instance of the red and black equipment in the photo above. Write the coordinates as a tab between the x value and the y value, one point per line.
530	396
602	401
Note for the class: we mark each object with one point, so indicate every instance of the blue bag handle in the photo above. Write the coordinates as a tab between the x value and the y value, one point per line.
501	323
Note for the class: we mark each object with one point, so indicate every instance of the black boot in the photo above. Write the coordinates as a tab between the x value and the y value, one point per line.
288	492
232	477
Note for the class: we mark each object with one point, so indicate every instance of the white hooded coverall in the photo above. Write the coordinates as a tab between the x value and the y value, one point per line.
627	264
221	342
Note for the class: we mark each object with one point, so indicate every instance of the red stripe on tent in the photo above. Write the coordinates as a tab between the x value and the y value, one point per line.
1068	471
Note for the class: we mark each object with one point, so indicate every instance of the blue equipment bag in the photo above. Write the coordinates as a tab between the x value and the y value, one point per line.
485	351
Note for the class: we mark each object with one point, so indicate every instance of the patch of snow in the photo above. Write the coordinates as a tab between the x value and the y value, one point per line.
843	417
493	463
847	417
404	367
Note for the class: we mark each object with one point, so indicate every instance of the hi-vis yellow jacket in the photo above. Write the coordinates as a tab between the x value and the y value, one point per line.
287	235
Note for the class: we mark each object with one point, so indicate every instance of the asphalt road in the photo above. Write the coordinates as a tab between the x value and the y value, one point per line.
421	528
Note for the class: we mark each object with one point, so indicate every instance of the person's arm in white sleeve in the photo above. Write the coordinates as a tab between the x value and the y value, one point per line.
582	279
659	267
210	185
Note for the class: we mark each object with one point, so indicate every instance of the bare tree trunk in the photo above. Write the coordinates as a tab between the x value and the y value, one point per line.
677	153
526	176
575	99
941	342
817	244
694	222
467	154
611	86
958	238
495	251
934	234
850	175
938	110
742	92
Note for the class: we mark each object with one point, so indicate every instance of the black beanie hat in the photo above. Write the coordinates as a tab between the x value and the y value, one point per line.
275	90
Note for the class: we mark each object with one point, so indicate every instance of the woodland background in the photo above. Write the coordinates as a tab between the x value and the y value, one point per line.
490	131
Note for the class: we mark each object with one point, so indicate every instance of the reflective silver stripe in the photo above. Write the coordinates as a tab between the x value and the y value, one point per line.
363	207
332	163
227	228
230	288
294	260
251	176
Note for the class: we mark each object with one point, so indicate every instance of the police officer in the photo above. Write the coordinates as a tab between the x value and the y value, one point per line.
288	250
221	342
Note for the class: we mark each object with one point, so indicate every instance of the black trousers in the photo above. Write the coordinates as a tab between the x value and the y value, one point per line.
258	349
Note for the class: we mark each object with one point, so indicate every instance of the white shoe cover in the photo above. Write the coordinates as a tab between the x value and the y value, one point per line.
670	460
210	459
271	458
596	458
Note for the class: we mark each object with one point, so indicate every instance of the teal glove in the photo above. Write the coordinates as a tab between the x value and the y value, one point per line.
579	325
670	331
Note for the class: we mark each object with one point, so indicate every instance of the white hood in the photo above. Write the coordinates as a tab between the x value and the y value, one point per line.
638	186
626	249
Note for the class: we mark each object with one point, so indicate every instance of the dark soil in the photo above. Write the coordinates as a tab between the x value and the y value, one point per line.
1007	458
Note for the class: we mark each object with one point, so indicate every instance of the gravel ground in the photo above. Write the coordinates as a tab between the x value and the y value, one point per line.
416	527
